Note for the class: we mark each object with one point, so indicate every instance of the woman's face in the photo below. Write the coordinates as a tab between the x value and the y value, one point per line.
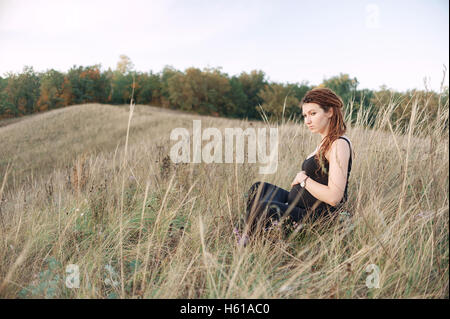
316	119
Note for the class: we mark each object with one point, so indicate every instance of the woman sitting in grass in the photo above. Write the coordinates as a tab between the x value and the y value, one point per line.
320	188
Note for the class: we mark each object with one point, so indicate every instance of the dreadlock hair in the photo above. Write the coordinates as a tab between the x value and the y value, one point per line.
327	99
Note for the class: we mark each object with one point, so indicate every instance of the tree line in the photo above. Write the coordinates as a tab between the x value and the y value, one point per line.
207	92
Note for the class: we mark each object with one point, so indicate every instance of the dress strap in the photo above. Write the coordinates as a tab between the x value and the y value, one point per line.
350	145
344	198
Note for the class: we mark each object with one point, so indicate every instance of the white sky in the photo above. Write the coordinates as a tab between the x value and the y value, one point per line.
396	43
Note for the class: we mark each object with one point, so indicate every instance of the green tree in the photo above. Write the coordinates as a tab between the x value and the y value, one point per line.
166	74
201	91
342	85
362	100
299	91
238	99
122	86
51	90
21	92
252	83
278	100
387	100
148	88
87	85
7	108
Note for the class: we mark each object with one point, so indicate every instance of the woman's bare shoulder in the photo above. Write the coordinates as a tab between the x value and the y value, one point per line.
339	146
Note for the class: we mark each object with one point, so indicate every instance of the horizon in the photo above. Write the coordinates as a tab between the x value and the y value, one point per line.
397	45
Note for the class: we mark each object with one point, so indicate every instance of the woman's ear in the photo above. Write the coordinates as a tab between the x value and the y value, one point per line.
330	113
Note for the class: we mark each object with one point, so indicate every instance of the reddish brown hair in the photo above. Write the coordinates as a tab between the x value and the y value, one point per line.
327	99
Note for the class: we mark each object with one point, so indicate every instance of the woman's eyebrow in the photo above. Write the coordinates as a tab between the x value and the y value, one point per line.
307	112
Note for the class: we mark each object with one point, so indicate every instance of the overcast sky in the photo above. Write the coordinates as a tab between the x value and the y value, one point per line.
396	42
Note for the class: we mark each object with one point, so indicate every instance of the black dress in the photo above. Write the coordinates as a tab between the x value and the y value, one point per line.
267	202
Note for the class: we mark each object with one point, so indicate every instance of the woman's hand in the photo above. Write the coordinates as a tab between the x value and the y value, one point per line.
299	178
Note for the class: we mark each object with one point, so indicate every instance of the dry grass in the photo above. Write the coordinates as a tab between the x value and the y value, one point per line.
139	226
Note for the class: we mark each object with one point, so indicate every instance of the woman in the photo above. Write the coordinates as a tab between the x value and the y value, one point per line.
321	187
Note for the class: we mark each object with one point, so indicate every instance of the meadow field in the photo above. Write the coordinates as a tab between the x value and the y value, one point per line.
90	190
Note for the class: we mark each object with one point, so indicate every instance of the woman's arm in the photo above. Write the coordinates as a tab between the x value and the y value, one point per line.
337	178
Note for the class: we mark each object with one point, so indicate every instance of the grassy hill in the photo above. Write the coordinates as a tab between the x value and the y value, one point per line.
137	225
40	143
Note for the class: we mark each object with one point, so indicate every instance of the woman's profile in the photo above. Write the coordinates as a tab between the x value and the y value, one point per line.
320	188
